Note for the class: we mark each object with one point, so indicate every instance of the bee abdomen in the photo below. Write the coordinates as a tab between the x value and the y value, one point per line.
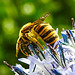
52	40
41	28
47	33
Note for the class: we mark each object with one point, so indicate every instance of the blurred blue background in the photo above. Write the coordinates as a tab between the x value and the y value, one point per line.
15	13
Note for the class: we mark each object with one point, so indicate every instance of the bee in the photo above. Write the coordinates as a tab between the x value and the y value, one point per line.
30	32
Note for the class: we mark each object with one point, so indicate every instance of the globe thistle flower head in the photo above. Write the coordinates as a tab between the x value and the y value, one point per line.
56	60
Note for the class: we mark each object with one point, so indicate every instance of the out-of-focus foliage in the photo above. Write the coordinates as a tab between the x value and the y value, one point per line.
15	13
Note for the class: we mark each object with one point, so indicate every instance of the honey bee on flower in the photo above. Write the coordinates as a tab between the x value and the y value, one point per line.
30	32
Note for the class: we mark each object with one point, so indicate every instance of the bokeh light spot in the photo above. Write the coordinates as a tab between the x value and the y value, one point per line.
8	26
28	8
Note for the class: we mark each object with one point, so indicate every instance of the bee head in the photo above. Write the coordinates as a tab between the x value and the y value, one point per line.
26	28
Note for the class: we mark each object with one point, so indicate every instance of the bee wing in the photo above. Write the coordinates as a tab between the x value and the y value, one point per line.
41	19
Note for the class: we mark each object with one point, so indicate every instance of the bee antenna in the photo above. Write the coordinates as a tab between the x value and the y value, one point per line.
41	19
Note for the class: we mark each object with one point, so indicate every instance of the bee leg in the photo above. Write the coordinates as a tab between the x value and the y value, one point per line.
56	47
34	40
17	49
23	50
18	45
